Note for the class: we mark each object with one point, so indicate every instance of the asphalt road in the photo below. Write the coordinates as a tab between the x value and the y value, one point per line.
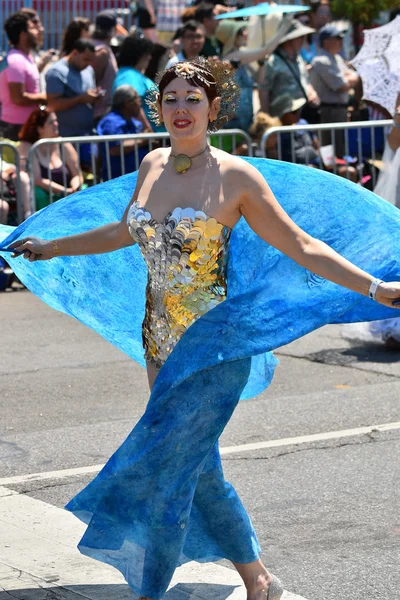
326	510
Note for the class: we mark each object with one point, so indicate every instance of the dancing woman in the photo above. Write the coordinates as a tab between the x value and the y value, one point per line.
162	499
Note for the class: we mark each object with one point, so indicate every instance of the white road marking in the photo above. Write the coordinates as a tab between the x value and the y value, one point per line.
306	439
38	550
294	441
51	475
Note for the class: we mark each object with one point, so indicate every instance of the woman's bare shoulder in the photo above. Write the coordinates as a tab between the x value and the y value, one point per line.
237	170
70	150
156	156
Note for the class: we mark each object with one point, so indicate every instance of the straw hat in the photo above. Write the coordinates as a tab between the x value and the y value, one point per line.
227	32
297	29
285	104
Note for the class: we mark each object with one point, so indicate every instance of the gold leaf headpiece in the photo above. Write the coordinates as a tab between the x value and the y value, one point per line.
205	73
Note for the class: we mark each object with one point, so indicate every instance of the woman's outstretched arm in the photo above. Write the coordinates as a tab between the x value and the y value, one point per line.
107	238
267	218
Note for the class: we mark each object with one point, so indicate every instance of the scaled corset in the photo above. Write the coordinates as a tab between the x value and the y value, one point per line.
186	260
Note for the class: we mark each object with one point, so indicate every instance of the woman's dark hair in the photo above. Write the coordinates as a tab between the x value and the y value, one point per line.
188	14
158	52
132	49
204	10
315	6
72	33
37	118
15	25
170	75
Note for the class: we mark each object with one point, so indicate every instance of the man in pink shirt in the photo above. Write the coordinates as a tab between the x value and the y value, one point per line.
19	77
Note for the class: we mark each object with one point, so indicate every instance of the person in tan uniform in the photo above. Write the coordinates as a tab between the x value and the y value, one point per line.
332	80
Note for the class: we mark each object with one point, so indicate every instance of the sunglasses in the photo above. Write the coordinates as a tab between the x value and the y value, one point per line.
197	36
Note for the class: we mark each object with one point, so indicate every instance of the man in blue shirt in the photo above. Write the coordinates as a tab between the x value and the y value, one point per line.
71	90
123	119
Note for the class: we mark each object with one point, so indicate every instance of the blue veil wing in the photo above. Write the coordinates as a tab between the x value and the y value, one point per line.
271	300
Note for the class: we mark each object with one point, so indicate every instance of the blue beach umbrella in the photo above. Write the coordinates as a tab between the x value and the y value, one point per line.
262	10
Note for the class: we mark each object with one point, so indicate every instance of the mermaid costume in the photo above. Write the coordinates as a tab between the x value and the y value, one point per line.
211	305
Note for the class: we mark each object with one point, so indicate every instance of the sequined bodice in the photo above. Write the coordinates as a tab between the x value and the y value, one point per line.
186	261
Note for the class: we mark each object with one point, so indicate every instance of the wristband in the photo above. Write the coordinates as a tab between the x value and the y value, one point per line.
373	287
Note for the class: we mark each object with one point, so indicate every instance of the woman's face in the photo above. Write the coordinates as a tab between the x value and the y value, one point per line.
50	127
133	106
185	109
323	15
241	38
298	43
85	34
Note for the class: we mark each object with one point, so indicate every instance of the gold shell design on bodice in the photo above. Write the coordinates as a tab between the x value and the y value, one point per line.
186	260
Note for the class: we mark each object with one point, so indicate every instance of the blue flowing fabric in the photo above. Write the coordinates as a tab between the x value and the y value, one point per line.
162	499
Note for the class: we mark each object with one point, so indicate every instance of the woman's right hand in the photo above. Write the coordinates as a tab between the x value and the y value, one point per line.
32	249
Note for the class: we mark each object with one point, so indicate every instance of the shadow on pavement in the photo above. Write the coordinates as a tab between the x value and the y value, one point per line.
373	353
181	591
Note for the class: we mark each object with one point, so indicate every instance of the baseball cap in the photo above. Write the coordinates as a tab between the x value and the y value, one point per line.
330	31
106	20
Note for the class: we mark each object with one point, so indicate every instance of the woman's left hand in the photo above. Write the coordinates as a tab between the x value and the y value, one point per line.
388	293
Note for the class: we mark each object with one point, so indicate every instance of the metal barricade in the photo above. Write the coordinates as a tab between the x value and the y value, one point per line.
101	165
56	14
359	138
9	155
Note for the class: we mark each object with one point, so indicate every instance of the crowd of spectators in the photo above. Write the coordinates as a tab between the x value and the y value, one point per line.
98	81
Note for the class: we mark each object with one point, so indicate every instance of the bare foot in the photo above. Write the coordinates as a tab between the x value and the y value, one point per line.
260	589
260	584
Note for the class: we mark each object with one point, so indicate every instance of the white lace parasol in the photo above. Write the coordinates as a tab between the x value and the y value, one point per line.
378	64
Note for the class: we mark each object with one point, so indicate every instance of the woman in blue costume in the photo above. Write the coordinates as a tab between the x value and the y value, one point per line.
162	499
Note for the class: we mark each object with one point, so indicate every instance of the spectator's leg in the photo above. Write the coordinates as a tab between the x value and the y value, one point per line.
25	188
333	114
165	37
3	212
151	34
325	112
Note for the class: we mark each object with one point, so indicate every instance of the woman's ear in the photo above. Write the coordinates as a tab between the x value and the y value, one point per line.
159	109
214	109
